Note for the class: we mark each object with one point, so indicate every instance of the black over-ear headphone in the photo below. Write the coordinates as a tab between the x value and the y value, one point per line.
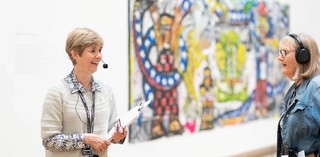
302	53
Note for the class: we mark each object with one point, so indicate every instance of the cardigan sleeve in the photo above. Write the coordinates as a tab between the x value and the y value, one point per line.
51	125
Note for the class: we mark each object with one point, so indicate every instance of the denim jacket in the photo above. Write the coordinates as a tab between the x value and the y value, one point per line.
300	123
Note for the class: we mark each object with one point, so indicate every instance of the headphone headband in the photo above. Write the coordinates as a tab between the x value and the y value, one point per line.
297	39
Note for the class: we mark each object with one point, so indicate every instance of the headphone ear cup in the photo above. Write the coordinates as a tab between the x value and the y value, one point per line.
302	55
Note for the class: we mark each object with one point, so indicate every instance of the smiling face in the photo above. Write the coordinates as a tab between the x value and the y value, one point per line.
288	61
89	60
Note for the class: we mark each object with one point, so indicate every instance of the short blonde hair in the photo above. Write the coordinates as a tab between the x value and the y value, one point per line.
81	38
312	67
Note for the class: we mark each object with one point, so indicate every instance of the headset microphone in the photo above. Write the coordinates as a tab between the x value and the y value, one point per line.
104	65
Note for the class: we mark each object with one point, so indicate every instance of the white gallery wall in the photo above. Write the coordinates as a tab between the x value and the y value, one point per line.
32	58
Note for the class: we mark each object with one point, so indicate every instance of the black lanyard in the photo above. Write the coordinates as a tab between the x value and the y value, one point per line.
90	117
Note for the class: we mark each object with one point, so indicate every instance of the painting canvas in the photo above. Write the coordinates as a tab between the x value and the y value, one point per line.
204	63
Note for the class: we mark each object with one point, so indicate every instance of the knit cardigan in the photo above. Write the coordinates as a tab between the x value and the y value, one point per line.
64	113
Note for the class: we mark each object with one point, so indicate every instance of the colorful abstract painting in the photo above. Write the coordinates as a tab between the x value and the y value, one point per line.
204	63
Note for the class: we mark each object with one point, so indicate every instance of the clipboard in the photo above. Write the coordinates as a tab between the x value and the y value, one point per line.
129	117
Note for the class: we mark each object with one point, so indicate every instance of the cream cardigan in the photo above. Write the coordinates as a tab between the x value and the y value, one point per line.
64	113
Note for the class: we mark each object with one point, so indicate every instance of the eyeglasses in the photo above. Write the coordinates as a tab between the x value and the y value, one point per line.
283	53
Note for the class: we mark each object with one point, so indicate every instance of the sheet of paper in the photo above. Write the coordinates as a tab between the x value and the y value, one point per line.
129	117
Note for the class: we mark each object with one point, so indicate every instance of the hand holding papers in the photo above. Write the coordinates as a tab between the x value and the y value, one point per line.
128	118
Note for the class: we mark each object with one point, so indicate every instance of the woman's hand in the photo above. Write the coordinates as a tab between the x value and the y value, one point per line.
99	144
119	134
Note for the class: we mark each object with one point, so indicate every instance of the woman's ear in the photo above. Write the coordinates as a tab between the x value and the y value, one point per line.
74	55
